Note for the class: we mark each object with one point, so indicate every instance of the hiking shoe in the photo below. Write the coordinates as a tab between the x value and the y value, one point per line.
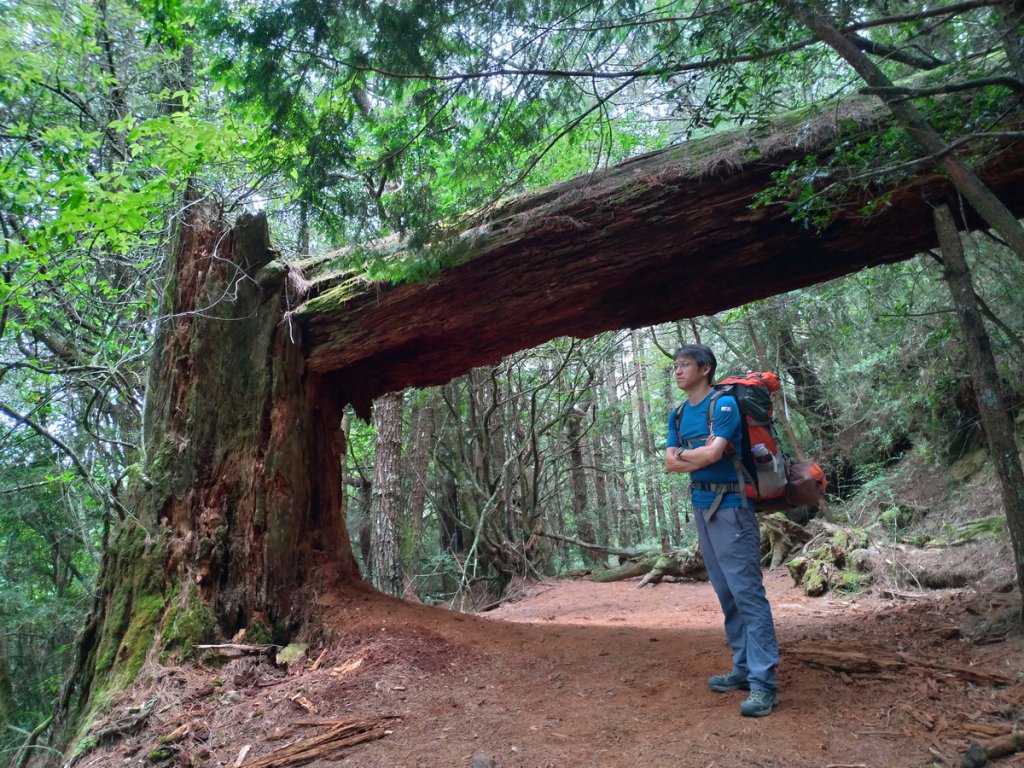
759	703
734	681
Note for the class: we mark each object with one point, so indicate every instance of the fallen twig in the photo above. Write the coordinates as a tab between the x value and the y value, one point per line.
238	649
877	660
322	746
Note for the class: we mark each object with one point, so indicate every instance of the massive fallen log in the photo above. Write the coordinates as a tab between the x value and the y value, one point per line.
659	237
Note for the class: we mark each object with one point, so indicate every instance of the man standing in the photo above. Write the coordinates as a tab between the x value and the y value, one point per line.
727	528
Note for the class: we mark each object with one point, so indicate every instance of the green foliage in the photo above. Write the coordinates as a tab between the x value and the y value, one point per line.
48	558
388	119
896	517
993	527
851	582
258	632
100	130
365	119
435	577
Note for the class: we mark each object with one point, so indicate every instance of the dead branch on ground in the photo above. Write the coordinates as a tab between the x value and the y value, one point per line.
324	746
875	660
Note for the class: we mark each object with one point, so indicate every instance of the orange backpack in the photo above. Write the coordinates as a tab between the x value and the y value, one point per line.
770	479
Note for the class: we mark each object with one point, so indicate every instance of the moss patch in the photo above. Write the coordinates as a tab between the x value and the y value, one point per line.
258	633
135	603
189	622
337	296
291	654
133	583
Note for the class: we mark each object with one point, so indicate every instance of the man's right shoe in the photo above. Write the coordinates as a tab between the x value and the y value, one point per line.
733	681
759	703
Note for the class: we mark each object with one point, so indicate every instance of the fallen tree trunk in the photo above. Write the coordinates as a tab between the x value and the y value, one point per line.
620	552
690	566
650	240
782	535
655	566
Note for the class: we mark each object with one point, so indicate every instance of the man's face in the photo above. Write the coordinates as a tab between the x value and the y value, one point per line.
689	374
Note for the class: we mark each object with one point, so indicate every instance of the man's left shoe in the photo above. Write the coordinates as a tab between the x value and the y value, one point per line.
759	703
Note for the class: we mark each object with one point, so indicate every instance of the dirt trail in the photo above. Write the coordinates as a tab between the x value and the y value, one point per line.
584	674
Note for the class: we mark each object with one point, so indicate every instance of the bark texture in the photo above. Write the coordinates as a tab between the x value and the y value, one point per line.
243	446
656	238
386	573
235	517
995	417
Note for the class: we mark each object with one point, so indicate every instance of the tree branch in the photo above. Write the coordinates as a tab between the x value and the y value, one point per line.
924	62
43	432
904	56
967	85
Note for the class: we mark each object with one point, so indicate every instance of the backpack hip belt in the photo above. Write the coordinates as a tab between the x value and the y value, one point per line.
719	489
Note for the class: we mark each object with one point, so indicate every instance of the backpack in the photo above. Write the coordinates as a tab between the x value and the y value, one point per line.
771	480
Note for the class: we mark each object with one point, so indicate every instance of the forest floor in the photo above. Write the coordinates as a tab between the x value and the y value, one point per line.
577	673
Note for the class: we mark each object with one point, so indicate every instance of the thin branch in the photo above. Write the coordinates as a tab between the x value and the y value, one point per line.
909	57
967	85
43	432
946	10
913	164
83	107
20	488
514	71
1008	332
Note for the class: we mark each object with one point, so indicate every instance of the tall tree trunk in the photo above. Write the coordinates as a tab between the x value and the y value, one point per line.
8	706
789	352
619	496
386	573
1011	27
675	507
594	461
645	456
995	418
634	486
578	481
809	389
967	183
237	507
423	421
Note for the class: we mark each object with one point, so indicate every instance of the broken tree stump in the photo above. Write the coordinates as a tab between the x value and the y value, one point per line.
783	535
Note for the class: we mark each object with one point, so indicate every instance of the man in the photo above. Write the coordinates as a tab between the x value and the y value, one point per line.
727	528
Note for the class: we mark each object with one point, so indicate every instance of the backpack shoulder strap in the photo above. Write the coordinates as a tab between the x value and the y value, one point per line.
711	409
677	420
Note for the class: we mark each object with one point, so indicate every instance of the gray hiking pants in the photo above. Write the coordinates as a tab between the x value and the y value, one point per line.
731	544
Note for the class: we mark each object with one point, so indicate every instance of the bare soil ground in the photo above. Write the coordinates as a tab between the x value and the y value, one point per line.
576	673
584	674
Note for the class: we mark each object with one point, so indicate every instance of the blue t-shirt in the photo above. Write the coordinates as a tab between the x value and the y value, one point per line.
694	433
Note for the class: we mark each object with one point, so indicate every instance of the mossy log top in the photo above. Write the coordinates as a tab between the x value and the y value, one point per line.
667	235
